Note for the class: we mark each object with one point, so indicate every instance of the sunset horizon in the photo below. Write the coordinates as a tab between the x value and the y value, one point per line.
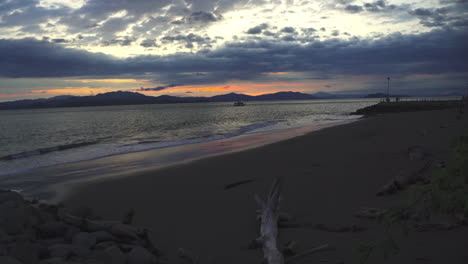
53	47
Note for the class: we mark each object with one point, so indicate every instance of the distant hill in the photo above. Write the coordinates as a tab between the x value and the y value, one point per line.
325	95
131	98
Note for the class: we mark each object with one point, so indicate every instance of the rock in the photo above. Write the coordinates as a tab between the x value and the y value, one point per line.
52	241
125	231
45	216
127	247
10	196
12	223
66	251
84	239
52	229
9	260
70	233
15	215
139	255
111	255
26	252
104	245
103	236
149	242
82	212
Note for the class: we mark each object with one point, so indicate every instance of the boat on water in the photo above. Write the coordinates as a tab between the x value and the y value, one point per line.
239	103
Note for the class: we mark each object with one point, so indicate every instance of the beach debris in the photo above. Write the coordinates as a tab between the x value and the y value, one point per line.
324	227
390	188
290	248
369	212
235	184
33	232
269	224
416	174
304	254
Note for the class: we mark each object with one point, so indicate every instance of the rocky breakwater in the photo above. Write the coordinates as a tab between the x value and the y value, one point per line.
33	232
409	106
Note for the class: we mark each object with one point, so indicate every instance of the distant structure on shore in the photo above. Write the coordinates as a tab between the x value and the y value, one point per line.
388	89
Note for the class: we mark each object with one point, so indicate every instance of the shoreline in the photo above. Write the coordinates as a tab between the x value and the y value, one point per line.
119	165
329	174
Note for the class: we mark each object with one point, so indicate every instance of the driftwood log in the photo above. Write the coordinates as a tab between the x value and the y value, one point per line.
418	174
269	224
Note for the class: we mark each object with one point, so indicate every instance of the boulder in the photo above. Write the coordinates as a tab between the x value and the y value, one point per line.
103	236
139	255
105	244
111	255
82	212
25	251
66	251
125	231
84	239
70	233
9	260
16	215
10	196
52	229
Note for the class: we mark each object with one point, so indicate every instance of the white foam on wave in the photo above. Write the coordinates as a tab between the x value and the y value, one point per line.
92	152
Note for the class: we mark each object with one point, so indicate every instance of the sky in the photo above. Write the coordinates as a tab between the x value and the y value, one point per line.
209	47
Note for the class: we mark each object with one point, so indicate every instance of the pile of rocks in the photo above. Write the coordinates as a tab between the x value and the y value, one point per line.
33	232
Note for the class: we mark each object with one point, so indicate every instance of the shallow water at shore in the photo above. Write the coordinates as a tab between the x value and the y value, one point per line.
39	138
48	183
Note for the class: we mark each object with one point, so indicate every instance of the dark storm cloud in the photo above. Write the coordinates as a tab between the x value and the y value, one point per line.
29	57
353	8
159	88
27	15
288	30
452	16
203	17
422	12
60	40
188	40
147	43
375	7
125	41
439	51
257	29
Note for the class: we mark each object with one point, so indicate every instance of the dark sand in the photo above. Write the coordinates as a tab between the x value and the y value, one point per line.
328	174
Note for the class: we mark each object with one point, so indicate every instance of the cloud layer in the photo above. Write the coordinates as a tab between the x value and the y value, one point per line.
202	42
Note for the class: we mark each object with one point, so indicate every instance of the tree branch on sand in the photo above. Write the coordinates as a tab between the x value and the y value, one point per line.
269	216
269	224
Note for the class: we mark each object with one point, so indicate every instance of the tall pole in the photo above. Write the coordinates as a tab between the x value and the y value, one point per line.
388	87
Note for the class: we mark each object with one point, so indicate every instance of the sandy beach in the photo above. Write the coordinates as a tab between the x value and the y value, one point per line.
328	175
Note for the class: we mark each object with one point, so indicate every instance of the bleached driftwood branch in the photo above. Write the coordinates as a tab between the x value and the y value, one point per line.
269	224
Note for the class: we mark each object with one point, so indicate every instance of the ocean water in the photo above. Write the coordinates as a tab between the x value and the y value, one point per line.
37	138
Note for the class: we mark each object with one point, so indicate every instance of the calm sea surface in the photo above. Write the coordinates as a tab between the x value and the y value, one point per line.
37	138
